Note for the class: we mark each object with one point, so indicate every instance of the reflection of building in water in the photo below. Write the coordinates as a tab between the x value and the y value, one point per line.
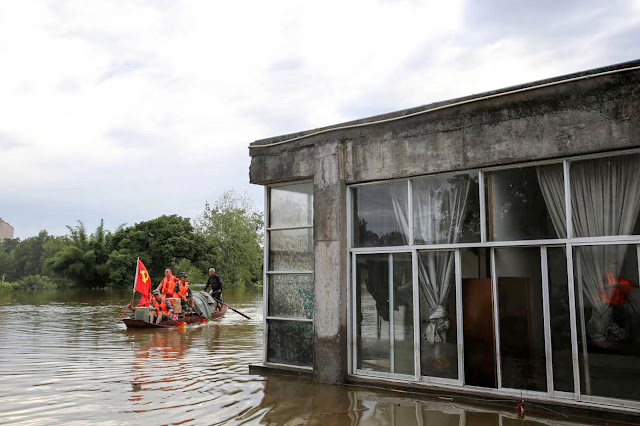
6	230
485	244
290	400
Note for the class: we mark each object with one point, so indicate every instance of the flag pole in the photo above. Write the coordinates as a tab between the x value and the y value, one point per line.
133	295
135	278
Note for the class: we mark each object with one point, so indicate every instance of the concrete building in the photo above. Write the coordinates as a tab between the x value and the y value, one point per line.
486	245
6	230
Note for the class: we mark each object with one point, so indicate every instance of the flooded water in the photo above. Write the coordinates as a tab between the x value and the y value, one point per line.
65	358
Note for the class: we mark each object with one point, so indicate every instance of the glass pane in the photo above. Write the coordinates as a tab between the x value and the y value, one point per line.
403	314
446	210
380	215
290	342
521	318
291	296
291	205
560	320
608	306
526	204
372	312
439	339
291	250
477	319
605	196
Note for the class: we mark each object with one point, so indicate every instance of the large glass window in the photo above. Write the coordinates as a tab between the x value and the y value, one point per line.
560	319
291	205
496	298
522	350
446	210
438	331
526	203
478	319
384	313
289	290
605	196
608	304
380	215
291	250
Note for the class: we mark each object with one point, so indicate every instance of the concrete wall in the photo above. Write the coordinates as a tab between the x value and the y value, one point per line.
601	113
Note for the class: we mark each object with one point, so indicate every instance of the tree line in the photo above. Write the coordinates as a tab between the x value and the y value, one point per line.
227	236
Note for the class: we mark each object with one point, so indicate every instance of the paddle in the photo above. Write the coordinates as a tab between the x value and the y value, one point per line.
234	310
125	310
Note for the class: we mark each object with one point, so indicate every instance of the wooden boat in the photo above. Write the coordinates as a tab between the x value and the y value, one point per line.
191	318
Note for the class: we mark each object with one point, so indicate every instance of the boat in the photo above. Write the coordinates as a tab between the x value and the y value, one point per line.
192	318
205	309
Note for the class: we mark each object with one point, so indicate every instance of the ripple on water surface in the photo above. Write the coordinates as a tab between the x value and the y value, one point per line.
64	358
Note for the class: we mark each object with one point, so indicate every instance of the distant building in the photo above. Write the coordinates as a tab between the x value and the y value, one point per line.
487	245
6	230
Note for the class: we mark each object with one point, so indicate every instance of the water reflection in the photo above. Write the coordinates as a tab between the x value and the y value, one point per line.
64	358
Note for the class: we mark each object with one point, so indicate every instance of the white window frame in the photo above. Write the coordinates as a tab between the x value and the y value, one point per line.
267	273
568	243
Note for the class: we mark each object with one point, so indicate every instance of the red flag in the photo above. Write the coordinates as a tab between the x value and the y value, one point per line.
143	283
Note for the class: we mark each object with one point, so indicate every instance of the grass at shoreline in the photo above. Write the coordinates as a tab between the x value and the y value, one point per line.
29	283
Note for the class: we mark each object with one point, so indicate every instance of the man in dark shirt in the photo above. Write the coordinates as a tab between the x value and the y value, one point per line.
216	284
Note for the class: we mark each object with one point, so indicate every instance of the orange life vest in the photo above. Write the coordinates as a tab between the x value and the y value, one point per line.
162	305
183	289
168	286
616	291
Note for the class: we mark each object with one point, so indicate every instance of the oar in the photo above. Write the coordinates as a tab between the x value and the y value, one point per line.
125	310
234	310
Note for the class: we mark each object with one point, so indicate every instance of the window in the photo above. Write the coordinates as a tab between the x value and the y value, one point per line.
608	306
482	279
384	300
289	289
526	203
446	210
380	215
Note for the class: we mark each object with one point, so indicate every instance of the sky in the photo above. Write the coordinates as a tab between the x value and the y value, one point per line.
128	110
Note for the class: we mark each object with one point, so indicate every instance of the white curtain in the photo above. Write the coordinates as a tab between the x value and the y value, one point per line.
605	200
440	206
399	201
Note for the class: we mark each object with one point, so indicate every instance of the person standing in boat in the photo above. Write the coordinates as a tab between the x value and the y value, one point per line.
215	281
168	284
183	291
160	307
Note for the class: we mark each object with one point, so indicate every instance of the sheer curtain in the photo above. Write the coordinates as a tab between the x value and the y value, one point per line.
605	200
439	206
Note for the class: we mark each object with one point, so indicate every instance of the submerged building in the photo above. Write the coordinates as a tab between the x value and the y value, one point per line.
487	245
6	230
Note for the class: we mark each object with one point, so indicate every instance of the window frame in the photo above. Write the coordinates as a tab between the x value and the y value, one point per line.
568	243
267	273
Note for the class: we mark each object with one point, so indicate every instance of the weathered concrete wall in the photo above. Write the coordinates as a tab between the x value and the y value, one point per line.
587	116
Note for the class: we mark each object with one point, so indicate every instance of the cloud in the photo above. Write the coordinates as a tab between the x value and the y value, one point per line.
8	143
127	110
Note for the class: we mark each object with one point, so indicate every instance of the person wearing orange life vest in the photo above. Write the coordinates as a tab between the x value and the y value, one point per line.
183	291
616	293
617	290
168	284
160	307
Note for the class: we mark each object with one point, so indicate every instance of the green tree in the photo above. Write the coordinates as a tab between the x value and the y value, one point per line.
84	259
232	229
160	243
6	259
28	255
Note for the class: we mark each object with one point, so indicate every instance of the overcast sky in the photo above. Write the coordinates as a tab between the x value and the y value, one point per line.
127	110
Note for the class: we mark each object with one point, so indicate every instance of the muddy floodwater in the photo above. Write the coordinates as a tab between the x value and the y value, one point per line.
65	359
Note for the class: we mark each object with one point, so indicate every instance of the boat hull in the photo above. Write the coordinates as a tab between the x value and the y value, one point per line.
188	319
